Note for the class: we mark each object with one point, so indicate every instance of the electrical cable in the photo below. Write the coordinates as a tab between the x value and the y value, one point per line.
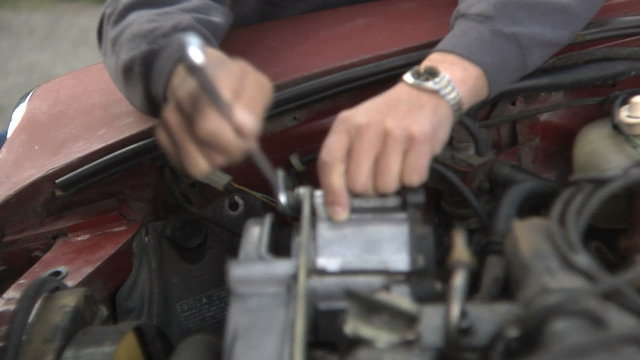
469	196
623	22
512	202
604	34
262	197
570	217
589	55
473	130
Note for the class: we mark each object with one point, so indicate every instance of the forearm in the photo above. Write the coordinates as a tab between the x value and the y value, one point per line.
509	38
139	41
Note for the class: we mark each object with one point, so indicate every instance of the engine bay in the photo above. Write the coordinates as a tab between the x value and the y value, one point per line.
521	245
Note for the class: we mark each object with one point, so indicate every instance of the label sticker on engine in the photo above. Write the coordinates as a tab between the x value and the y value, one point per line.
203	310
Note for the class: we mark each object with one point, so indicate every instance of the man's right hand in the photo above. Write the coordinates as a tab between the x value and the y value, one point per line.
191	131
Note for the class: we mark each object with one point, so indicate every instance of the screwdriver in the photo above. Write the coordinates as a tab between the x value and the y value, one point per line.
195	61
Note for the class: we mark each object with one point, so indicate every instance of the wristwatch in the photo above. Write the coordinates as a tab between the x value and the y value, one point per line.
430	78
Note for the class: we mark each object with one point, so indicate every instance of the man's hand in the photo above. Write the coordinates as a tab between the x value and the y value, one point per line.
389	141
193	134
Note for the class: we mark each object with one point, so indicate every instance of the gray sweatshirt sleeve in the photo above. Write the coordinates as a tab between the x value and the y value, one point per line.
140	45
510	38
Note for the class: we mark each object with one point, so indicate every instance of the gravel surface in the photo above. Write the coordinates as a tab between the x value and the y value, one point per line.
39	43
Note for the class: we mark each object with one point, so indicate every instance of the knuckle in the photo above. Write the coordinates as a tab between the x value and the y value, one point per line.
418	137
394	132
327	159
204	126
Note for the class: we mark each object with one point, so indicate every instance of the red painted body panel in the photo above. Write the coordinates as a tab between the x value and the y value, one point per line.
69	122
293	50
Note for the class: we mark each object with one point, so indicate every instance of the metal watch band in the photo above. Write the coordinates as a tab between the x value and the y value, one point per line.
431	78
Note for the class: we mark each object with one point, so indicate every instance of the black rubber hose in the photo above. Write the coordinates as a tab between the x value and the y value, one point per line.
474	132
504	174
570	216
626	180
590	55
605	34
22	312
588	74
513	202
471	199
624	22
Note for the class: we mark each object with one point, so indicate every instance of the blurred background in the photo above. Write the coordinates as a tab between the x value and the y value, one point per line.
41	40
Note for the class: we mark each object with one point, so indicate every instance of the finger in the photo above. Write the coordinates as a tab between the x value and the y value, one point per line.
331	171
166	144
190	156
212	134
248	92
253	100
389	164
415	168
362	158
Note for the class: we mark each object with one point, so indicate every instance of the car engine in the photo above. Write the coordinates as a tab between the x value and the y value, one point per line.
523	244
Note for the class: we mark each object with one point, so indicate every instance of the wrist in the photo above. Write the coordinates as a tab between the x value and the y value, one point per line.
431	79
468	78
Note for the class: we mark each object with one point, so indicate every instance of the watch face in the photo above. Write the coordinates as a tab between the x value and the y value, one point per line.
425	74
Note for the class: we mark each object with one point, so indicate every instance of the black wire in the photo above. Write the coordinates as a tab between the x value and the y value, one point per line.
623	22
471	199
628	178
604	34
474	131
590	55
570	217
573	209
557	212
511	204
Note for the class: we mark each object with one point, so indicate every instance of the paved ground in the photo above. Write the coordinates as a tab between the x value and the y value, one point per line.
41	42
